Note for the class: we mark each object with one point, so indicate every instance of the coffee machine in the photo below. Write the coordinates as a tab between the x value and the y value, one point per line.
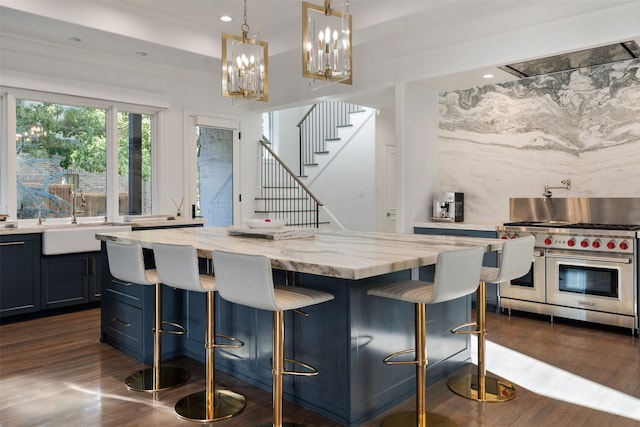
448	207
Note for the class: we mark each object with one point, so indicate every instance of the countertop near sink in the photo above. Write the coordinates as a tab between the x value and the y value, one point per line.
161	223
30	226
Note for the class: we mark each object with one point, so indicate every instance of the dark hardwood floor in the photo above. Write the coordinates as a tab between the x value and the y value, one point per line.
55	372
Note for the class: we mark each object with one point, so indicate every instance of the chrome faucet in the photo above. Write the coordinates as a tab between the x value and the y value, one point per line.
547	189
83	204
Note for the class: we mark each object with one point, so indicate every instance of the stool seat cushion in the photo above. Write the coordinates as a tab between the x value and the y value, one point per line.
414	291
152	276
457	274
248	280
208	283
178	267
126	263
489	274
515	261
289	297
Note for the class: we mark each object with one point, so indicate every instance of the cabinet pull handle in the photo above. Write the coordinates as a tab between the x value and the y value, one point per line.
86	267
118	322
92	260
120	282
12	243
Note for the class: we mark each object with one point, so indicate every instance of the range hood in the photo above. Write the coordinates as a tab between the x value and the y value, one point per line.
570	61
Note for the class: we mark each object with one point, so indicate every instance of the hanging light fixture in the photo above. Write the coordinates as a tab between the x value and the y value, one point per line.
326	42
245	64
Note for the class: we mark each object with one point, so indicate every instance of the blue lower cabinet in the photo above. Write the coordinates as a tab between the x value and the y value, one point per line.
19	274
65	280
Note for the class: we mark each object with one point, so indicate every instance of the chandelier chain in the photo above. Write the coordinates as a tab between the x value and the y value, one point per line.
245	26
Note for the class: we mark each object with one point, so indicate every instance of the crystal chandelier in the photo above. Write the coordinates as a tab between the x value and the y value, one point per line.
326	42
245	64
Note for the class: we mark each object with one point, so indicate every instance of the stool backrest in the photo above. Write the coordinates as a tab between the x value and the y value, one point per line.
177	266
457	273
245	279
516	258
126	262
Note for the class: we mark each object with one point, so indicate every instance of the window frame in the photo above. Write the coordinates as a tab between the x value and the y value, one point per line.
8	179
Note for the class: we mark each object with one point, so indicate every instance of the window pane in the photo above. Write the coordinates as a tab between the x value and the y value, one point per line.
61	151
134	164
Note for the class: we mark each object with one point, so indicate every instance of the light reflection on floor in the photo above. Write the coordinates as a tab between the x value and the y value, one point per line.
553	382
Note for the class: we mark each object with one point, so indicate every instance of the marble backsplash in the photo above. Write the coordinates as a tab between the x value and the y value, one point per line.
512	139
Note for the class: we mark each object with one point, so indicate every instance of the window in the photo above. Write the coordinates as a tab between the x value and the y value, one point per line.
62	155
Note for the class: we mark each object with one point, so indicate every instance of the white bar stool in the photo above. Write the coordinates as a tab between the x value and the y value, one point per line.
515	262
126	263
177	266
457	274
248	280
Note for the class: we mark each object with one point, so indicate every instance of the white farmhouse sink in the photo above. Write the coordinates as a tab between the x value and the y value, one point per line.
74	239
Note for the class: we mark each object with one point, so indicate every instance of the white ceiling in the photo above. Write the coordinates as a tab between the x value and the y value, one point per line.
442	44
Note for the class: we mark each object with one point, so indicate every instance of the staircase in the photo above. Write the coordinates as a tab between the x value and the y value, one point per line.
283	193
319	127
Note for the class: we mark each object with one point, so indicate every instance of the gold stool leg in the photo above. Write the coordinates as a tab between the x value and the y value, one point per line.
420	417
480	387
277	369
211	404
157	378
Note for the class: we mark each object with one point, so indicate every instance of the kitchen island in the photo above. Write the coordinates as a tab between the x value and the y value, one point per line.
346	338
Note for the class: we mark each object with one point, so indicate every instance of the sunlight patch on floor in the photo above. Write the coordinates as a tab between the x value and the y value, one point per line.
550	381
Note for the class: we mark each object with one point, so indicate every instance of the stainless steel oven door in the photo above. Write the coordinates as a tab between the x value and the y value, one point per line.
591	281
529	287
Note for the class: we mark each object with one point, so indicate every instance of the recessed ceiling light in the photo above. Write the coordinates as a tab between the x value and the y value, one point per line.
226	18
140	53
75	39
488	76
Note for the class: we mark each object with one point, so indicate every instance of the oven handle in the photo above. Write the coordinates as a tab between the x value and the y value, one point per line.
621	260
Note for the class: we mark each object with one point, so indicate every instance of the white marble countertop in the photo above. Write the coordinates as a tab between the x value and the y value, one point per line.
489	226
31	226
343	254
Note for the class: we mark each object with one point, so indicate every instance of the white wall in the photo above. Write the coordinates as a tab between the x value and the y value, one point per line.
286	134
417	153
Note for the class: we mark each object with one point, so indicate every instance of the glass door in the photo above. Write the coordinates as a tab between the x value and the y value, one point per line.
215	179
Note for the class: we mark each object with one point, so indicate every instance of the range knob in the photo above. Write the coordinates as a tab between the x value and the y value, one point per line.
571	242
548	241
503	236
611	244
596	244
584	243
624	245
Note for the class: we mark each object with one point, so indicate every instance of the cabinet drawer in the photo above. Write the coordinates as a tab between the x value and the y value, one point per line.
122	322
129	293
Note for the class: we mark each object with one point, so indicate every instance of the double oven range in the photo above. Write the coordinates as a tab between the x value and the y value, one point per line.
584	265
